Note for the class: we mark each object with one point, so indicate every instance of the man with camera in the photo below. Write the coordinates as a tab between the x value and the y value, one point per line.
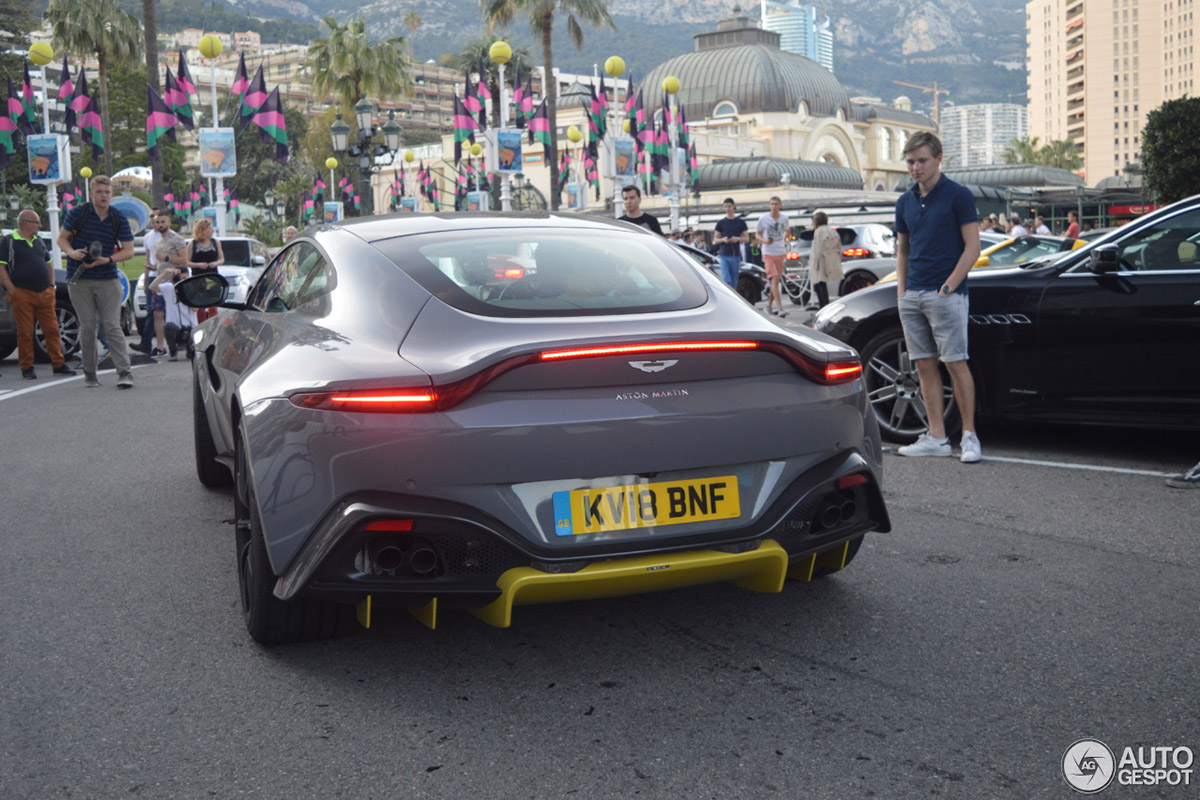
95	237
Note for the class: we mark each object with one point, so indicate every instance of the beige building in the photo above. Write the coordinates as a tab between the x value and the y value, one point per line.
1097	68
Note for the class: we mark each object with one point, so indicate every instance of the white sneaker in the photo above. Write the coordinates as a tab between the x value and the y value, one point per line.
926	445
970	448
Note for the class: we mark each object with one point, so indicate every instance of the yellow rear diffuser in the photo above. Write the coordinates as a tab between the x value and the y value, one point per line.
761	570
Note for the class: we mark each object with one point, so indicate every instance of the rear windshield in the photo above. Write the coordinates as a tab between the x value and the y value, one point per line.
538	272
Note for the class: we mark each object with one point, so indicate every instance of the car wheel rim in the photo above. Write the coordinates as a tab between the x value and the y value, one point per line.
858	282
894	390
68	332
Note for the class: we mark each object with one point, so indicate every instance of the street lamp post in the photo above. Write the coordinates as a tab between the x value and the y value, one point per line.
41	54
367	152
671	86
501	53
614	67
210	48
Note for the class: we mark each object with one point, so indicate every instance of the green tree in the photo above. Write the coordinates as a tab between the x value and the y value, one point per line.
257	168
412	21
1022	151
475	52
347	66
1063	154
1171	150
541	13
96	27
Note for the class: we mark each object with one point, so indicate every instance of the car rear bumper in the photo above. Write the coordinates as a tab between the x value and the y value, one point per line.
467	559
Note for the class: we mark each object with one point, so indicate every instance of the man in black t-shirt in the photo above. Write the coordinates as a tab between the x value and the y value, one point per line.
632	197
731	233
28	278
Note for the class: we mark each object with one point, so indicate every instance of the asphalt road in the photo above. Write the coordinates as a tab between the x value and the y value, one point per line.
1015	608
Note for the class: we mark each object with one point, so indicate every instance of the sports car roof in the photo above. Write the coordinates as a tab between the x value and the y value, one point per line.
378	228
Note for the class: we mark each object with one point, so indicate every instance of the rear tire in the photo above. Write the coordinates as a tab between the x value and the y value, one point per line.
212	473
859	279
268	619
894	390
748	289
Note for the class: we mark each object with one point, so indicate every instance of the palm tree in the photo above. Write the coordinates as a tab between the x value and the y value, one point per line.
412	21
349	67
87	27
541	22
1063	154
475	52
1023	151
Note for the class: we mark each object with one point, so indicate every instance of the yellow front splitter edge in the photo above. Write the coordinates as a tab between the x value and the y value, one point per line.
762	570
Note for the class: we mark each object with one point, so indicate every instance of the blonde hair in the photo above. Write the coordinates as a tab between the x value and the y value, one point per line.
201	225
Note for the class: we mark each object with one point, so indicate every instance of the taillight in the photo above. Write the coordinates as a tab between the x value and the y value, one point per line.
387	401
846	481
390	525
510	273
826	373
855	252
793	257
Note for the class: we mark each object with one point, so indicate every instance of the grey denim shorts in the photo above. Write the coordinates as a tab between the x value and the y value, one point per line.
934	325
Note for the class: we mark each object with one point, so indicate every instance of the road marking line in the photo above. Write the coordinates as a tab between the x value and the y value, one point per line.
1089	467
1066	465
10	394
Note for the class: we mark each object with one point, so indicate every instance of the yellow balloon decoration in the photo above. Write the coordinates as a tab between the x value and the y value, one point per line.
614	66
41	53
670	84
210	46
573	134
500	52
331	163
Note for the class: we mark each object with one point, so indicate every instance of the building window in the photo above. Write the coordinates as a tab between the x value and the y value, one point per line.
725	110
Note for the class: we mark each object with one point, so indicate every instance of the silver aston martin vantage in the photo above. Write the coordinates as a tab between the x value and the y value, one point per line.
483	411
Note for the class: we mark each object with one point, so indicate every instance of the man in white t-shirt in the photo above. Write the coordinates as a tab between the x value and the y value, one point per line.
149	329
772	234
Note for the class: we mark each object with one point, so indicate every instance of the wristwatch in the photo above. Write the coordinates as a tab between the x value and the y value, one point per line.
946	289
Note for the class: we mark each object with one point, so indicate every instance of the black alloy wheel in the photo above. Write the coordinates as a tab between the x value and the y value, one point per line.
858	279
894	390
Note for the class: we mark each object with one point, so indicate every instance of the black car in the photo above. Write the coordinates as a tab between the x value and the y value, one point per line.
68	323
752	279
1106	334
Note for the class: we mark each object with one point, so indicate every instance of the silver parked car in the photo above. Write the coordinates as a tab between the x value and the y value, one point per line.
245	258
484	410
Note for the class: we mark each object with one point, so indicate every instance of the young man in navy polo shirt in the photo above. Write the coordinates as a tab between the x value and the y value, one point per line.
937	242
92	282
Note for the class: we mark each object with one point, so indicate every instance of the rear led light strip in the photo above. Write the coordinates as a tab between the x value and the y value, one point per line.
440	398
632	349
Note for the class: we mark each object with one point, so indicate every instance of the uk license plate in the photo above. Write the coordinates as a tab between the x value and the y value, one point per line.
645	505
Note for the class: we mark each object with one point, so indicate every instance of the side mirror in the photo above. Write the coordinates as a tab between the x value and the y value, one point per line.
1105	258
202	291
258	261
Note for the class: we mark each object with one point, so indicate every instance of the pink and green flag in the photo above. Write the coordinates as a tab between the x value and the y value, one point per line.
91	126
66	88
252	101
160	121
183	76
464	127
178	101
539	125
597	118
8	129
272	127
29	120
240	81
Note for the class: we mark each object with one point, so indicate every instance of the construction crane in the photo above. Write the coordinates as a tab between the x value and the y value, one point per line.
936	91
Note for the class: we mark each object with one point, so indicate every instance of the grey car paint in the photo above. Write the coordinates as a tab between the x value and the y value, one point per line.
501	453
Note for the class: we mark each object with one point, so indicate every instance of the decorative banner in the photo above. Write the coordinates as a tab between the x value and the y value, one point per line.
626	163
575	193
49	158
408	205
218	157
334	211
504	151
477	201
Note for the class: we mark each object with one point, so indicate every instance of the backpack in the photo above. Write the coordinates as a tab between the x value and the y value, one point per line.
114	218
